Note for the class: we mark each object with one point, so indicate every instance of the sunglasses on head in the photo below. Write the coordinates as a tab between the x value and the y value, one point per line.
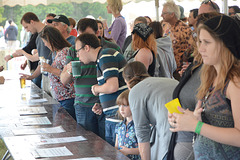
207	1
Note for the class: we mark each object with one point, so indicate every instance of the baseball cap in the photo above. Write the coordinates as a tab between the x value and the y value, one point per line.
59	18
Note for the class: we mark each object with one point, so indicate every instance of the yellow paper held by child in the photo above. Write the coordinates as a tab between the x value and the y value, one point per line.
172	106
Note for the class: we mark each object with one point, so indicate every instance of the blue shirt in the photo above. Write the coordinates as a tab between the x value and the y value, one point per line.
71	40
127	137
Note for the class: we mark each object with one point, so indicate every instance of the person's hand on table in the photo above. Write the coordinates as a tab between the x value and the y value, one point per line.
97	109
25	76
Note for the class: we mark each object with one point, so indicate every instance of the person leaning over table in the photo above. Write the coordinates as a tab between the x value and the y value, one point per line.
216	116
147	98
85	100
64	94
32	24
109	84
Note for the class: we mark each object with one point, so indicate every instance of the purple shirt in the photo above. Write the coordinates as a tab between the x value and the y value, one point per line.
117	31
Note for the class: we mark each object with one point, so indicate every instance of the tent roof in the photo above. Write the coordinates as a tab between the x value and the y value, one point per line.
12	3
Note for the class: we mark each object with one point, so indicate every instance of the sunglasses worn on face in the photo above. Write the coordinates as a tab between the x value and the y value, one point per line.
207	1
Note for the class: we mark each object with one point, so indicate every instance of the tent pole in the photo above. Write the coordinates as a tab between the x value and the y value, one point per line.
157	9
225	6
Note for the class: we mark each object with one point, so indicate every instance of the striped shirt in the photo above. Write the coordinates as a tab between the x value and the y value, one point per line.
83	84
110	63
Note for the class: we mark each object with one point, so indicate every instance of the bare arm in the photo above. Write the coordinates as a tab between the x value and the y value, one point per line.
30	57
223	133
35	74
145	56
109	87
116	142
210	131
65	76
50	69
17	53
144	149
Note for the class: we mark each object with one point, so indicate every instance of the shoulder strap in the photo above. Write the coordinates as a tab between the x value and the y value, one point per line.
134	54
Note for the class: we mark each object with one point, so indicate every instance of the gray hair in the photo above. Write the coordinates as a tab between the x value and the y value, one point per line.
172	8
68	28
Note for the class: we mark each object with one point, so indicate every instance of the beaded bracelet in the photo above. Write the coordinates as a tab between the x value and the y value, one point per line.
198	127
11	55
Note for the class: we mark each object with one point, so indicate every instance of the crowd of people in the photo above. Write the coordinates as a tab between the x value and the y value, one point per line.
125	82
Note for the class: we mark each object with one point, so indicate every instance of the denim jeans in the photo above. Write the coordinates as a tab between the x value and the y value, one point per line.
110	126
37	81
90	121
68	105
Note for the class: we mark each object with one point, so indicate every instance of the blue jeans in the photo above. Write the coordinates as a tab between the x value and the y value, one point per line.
90	121
110	126
68	105
38	80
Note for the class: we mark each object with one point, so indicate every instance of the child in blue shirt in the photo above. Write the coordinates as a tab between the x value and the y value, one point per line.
126	140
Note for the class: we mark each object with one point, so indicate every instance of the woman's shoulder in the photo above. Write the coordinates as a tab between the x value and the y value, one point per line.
145	50
233	87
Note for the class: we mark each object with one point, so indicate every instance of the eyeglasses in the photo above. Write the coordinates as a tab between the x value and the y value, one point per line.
163	13
206	2
80	49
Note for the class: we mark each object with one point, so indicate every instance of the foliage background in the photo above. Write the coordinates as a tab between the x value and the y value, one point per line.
74	10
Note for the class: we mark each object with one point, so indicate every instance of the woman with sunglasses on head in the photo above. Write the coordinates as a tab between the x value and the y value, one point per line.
59	46
215	119
181	142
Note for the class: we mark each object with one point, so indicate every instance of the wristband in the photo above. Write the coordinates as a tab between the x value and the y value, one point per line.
198	127
69	72
11	55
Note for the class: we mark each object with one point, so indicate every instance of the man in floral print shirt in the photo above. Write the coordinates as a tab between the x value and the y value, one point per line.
179	32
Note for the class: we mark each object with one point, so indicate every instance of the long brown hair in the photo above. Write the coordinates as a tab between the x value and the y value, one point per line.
229	68
134	72
55	38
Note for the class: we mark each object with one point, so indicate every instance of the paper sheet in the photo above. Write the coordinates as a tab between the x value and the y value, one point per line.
57	129
31	111
62	140
35	96
51	152
38	100
35	121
